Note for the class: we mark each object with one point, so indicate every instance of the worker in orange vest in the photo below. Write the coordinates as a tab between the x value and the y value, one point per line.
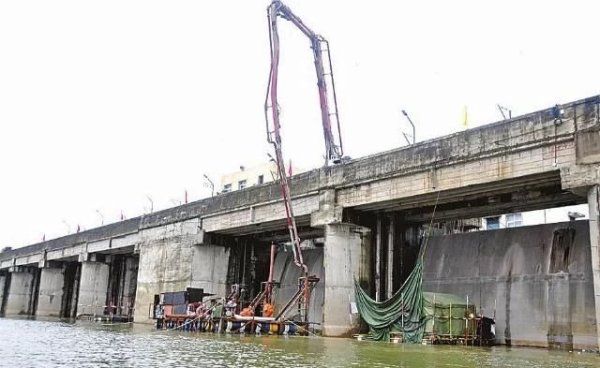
268	310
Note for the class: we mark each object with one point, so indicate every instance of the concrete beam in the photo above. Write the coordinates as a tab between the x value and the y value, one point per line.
345	259
329	212
259	214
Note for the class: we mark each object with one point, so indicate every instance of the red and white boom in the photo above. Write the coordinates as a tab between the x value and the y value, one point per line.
329	117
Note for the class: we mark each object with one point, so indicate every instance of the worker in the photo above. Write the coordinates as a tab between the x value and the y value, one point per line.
230	307
247	312
268	310
191	310
200	308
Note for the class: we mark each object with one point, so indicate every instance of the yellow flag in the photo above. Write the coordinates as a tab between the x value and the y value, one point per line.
465	120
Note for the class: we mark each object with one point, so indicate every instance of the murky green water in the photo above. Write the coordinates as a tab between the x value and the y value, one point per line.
28	343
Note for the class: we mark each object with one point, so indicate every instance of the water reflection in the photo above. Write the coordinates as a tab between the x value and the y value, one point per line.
30	343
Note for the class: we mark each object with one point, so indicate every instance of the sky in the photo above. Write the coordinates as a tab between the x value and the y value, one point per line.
106	103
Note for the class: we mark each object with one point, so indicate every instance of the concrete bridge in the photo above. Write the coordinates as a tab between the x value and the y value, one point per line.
363	219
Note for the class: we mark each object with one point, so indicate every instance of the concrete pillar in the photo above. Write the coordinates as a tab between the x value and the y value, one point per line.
93	287
19	300
209	268
345	258
52	282
390	259
378	259
594	209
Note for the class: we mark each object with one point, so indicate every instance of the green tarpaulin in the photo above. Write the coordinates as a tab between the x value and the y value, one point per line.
403	312
414	313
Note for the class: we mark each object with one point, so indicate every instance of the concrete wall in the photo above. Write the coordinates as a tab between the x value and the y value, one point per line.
93	288
209	268
543	295
51	290
287	274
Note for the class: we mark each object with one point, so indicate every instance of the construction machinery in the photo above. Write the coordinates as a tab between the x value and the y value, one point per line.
329	118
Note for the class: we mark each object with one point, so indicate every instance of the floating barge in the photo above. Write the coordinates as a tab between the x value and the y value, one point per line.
236	324
174	311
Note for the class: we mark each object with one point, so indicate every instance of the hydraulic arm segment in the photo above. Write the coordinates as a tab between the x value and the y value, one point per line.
325	82
329	117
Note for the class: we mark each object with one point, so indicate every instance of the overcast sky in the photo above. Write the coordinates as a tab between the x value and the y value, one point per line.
105	102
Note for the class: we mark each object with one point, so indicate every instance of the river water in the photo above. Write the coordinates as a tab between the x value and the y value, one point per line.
31	343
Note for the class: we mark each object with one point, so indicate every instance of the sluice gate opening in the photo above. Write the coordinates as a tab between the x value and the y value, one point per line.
4	289
122	284
534	281
250	267
72	273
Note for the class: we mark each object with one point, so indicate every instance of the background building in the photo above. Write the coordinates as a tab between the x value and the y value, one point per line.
547	216
250	176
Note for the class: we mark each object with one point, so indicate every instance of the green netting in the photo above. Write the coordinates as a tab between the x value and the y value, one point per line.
414	313
403	312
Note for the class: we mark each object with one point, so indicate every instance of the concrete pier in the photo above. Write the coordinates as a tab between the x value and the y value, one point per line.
165	264
346	246
93	288
21	299
51	291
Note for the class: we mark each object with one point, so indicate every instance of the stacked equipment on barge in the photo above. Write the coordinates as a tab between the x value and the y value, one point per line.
178	311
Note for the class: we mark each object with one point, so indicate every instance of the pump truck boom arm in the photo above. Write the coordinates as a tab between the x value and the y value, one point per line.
325	81
333	143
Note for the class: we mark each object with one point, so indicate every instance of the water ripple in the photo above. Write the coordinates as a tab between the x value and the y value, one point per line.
30	343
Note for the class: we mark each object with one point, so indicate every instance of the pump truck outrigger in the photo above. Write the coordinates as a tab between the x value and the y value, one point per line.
333	142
